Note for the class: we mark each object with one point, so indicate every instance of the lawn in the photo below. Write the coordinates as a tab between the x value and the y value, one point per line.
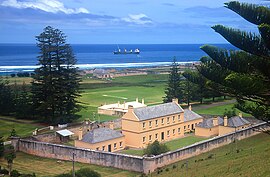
172	145
22	129
45	167
251	159
219	110
128	88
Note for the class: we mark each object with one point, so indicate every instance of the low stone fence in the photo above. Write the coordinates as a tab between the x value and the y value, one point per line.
128	162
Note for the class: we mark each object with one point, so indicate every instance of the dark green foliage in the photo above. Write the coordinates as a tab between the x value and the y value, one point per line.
83	172
244	73
2	147
13	132
155	149
56	82
23	103
9	155
87	172
230	113
172	90
6	98
15	173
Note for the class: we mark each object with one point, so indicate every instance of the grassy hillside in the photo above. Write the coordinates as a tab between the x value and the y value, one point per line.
251	159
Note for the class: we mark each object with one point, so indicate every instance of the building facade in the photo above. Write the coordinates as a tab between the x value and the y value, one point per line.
218	126
163	122
102	139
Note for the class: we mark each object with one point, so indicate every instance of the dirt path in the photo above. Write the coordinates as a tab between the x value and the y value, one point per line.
205	106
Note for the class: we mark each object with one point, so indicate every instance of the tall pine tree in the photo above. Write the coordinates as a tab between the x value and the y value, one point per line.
55	87
243	73
173	90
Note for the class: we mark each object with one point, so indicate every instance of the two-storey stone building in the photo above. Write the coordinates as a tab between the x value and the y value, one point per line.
163	122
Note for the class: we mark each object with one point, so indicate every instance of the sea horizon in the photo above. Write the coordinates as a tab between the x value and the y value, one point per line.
18	57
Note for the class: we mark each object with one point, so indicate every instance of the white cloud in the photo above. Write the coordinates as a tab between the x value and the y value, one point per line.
52	6
139	19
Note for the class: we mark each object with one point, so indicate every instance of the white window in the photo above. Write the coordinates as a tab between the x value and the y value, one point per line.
179	119
143	124
150	137
156	136
173	131
97	148
114	145
103	148
120	144
168	133
156	122
173	118
178	130
168	120
150	123
143	139
162	120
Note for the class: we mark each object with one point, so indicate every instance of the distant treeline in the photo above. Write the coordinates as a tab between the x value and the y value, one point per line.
22	74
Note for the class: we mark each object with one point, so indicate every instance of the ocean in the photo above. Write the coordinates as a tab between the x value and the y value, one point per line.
23	57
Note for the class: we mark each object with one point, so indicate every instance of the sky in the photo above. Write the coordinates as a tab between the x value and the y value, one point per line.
120	21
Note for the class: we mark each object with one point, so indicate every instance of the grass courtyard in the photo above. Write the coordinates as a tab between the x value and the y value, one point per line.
22	128
172	145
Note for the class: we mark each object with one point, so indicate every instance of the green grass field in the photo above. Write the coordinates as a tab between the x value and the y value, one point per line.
128	88
219	110
45	167
252	159
172	145
22	129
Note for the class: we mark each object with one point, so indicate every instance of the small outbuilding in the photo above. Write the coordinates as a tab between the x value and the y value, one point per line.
102	139
64	135
218	126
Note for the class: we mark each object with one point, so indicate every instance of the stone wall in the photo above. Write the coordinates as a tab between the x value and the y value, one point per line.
128	162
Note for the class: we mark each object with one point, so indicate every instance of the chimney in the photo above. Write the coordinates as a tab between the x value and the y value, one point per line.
111	125
137	100
190	108
142	101
124	105
118	104
225	121
80	133
175	100
130	108
240	114
215	121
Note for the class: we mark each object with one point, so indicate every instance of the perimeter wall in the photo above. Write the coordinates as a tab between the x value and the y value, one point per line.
129	162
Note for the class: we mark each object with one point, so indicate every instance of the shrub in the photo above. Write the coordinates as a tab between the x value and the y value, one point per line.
155	149
174	166
83	172
167	169
15	173
87	172
210	156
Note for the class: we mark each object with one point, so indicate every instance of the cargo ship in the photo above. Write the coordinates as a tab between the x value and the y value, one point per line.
125	51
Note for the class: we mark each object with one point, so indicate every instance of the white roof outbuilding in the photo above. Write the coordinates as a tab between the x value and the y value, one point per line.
64	132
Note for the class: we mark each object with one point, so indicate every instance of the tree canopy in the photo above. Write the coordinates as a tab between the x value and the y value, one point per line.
56	82
243	73
172	90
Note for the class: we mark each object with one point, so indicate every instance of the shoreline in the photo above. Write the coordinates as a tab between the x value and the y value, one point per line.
17	69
